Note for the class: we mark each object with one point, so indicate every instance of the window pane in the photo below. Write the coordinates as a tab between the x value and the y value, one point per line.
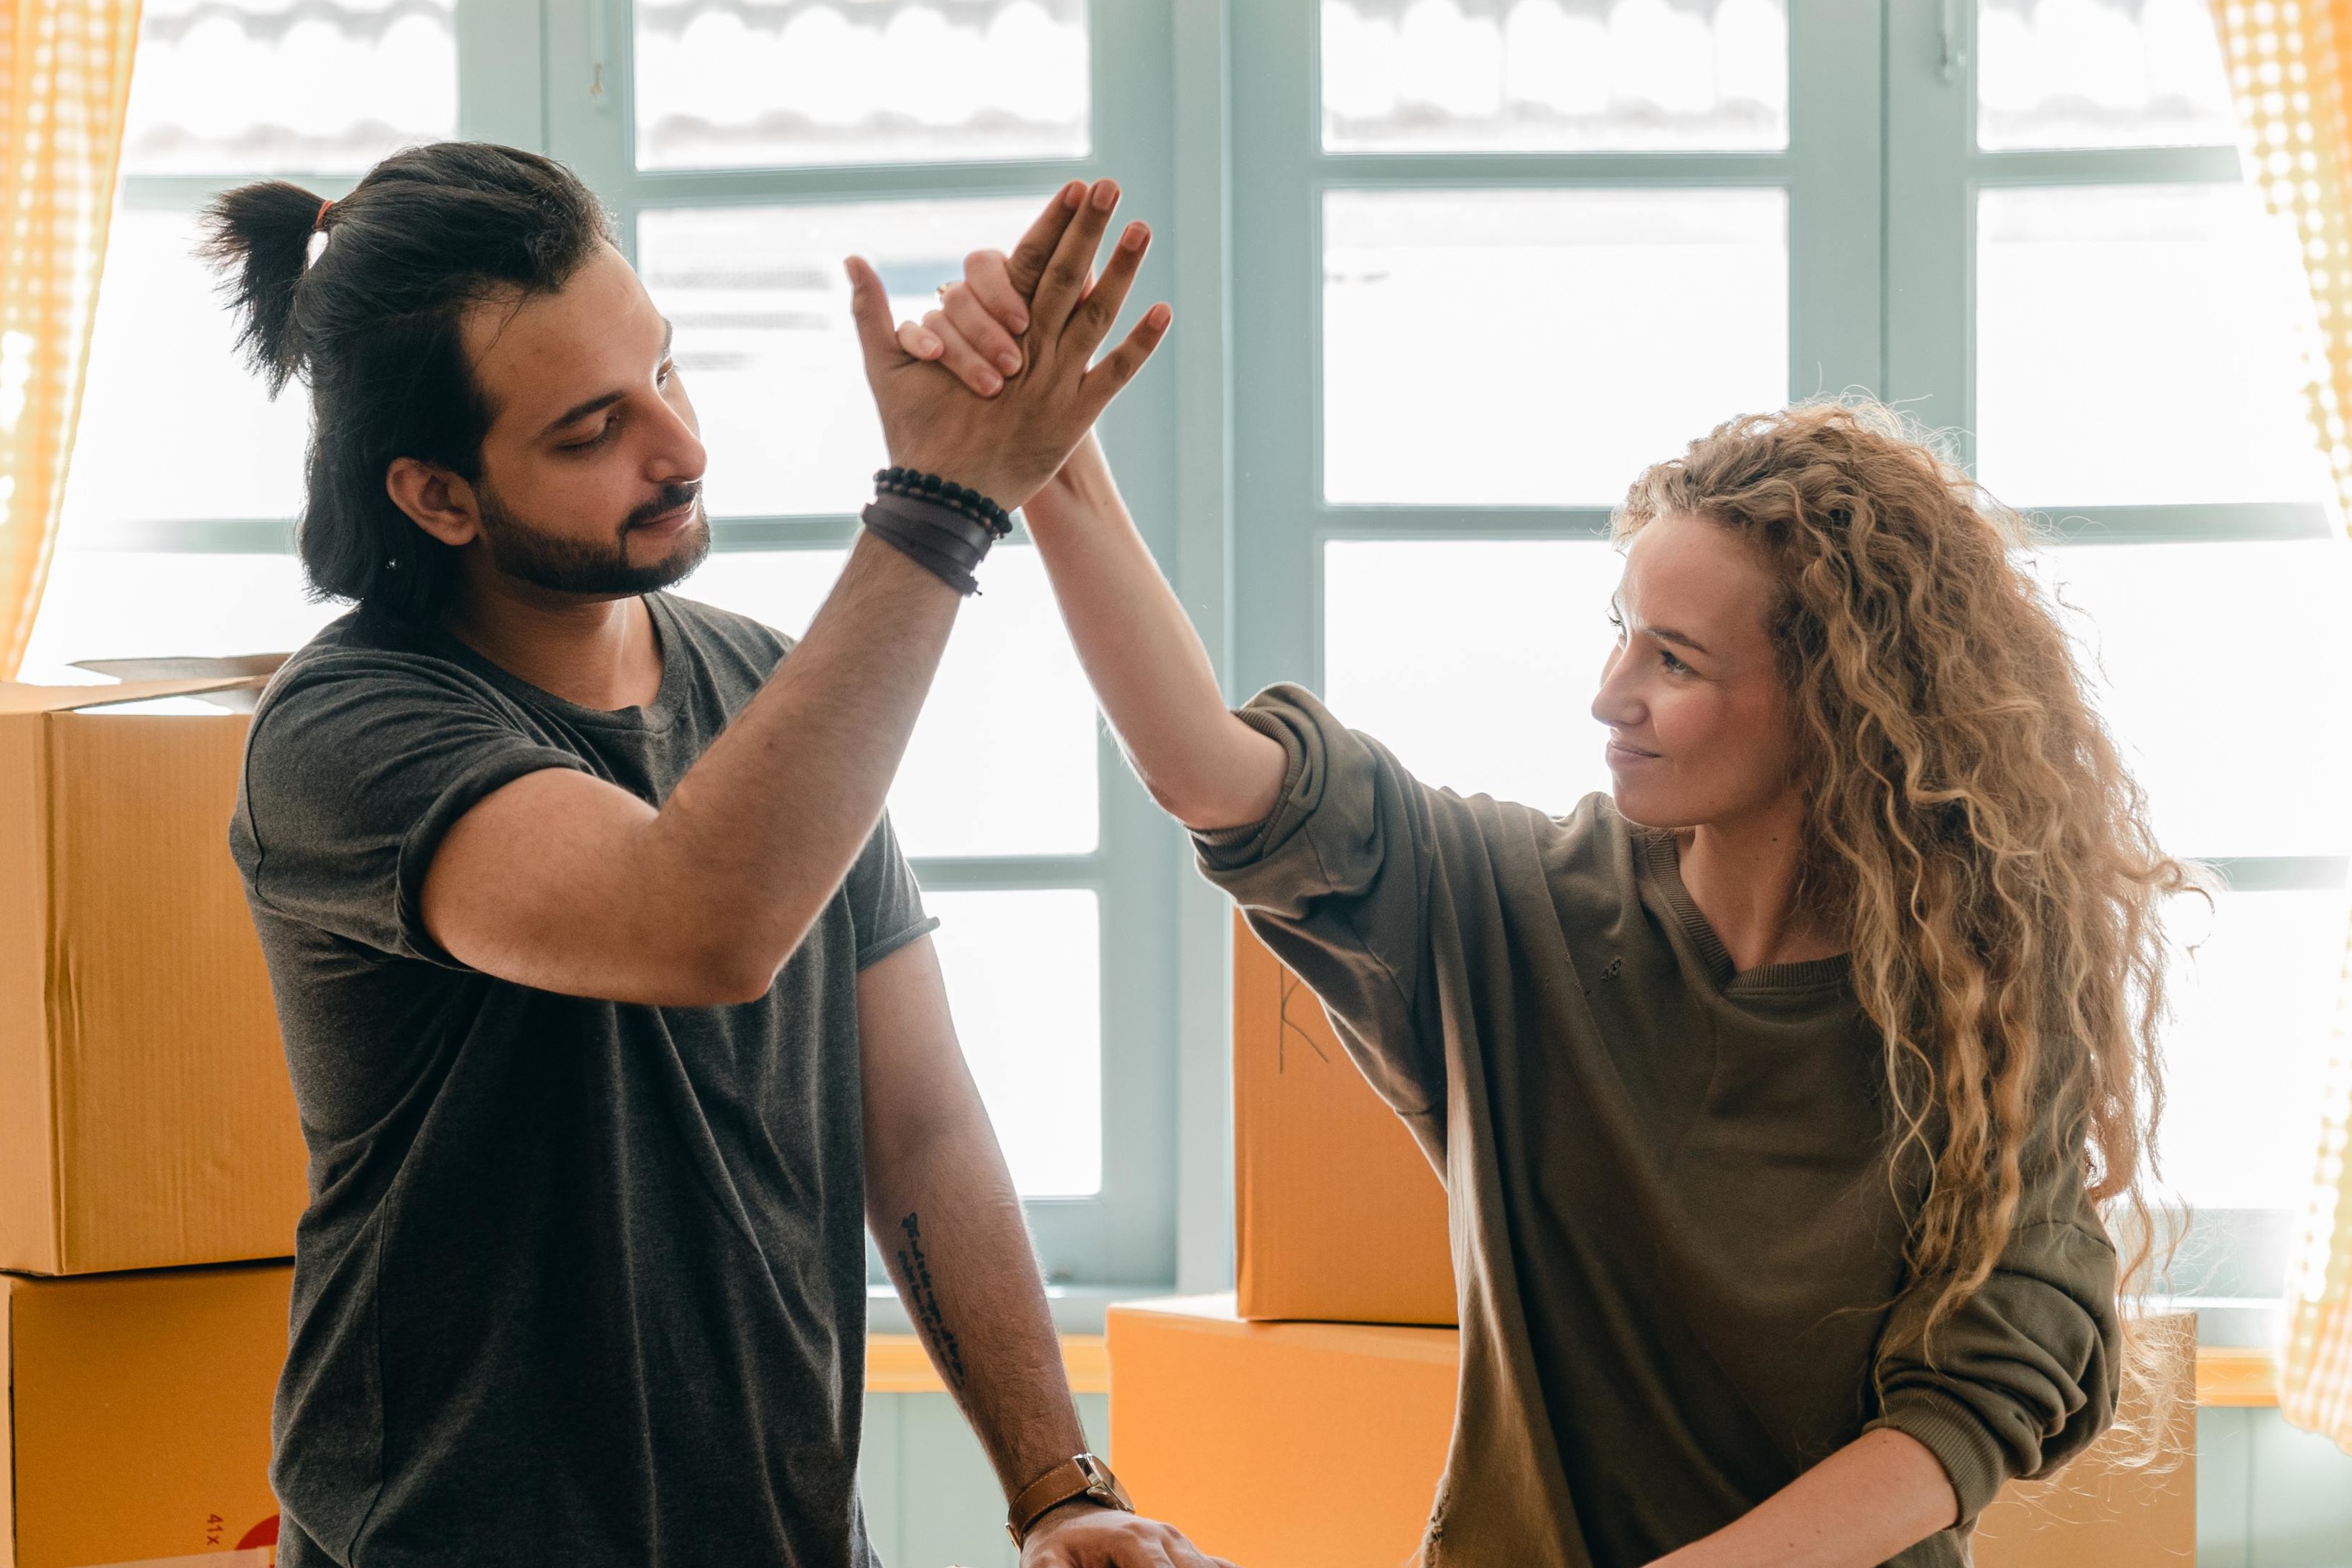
172	425
2138	345
1003	759
734	83
120	605
1024	975
228	86
2100	73
1474	661
1534	347
764	339
2226	670
2254	1012
1426	76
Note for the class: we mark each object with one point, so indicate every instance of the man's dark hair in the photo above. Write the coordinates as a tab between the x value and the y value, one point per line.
373	327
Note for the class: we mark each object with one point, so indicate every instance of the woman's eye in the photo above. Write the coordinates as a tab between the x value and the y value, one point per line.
1673	665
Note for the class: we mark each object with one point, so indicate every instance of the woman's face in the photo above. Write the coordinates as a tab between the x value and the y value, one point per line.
1698	721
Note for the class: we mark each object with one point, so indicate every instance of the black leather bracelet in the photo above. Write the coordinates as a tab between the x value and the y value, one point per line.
945	541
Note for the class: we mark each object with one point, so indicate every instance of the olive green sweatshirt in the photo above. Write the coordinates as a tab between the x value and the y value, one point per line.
1674	1234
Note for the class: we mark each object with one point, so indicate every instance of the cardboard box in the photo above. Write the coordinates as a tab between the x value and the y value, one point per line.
145	1115
136	1424
1319	1446
1338	1215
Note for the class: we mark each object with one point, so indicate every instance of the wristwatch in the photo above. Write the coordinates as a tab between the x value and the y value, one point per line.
1083	1477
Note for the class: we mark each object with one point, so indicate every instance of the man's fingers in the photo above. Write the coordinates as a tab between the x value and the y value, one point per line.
957	353
1027	263
1118	366
988	275
1092	321
1066	276
869	307
981	331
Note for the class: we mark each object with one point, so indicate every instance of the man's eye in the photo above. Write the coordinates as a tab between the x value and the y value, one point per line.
593	442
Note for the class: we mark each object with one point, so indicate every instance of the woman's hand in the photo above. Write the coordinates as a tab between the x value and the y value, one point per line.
1008	445
976	331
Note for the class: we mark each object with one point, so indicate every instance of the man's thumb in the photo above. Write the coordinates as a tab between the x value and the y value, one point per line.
869	308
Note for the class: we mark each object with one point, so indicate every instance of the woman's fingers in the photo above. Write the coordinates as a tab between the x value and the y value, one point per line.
980	329
990	278
918	342
959	356
1092	321
1065	280
1118	366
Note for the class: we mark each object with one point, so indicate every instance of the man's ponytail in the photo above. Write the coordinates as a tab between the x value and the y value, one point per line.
258	237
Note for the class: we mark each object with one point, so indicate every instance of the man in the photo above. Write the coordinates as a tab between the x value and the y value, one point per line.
609	1000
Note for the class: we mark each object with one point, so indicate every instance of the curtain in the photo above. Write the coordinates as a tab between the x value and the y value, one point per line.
65	78
2291	74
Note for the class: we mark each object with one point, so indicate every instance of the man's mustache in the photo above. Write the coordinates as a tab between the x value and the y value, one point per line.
671	497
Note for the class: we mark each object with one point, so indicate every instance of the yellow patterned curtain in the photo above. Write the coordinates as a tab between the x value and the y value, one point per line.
2291	73
64	77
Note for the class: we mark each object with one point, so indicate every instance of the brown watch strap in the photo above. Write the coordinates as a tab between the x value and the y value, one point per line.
1083	1477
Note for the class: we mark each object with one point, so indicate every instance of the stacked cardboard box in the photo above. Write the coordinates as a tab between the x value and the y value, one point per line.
148	1137
1303	1420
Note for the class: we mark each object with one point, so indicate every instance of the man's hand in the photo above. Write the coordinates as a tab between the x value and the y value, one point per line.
1005	447
1085	1535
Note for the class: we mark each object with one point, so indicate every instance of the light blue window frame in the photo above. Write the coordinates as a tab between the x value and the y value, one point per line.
1881	175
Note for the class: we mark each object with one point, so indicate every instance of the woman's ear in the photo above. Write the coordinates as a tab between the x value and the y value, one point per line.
435	500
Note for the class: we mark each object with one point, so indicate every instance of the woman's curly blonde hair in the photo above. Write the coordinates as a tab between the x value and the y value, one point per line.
1970	824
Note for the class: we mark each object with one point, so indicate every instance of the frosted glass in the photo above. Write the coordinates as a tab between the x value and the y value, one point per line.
1474	661
740	83
1024	980
228	86
2226	670
1541	347
764	340
2248	1047
103	604
1003	760
2100	73
2141	345
172	426
1426	76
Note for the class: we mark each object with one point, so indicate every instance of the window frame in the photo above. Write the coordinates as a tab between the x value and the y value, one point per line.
1881	174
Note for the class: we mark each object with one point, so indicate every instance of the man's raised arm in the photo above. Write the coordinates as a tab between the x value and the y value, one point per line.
563	882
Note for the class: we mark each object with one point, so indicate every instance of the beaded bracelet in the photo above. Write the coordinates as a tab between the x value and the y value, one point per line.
916	484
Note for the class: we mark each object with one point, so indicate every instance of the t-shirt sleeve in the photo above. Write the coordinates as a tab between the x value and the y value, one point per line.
1337	881
2023	1377
886	903
354	775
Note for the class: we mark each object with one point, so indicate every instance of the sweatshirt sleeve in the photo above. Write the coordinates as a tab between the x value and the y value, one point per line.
1337	881
2022	1378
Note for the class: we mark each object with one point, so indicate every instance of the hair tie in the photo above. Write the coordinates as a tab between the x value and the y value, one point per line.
318	223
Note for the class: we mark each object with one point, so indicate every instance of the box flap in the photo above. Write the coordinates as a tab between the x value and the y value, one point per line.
184	666
19	697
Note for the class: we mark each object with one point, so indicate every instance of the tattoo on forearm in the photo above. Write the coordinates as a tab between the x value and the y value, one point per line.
916	1270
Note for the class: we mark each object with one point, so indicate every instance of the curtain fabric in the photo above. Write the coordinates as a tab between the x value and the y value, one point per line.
2291	74
64	79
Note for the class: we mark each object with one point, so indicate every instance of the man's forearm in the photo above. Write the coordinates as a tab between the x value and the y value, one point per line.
761	831
1856	1509
1139	650
949	1223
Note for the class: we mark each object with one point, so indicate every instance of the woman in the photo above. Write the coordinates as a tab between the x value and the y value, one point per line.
1779	1094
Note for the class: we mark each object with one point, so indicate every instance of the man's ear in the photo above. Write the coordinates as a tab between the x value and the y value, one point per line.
435	500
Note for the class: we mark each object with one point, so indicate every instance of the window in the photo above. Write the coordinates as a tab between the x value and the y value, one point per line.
1448	273
744	149
1509	252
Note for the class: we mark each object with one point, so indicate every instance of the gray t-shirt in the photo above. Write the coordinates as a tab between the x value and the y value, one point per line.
580	1281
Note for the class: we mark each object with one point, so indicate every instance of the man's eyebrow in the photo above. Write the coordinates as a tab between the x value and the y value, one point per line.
580	411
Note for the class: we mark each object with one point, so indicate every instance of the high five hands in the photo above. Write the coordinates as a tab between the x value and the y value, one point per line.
1044	390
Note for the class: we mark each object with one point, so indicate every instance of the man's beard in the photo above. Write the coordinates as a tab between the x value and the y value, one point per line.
574	567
